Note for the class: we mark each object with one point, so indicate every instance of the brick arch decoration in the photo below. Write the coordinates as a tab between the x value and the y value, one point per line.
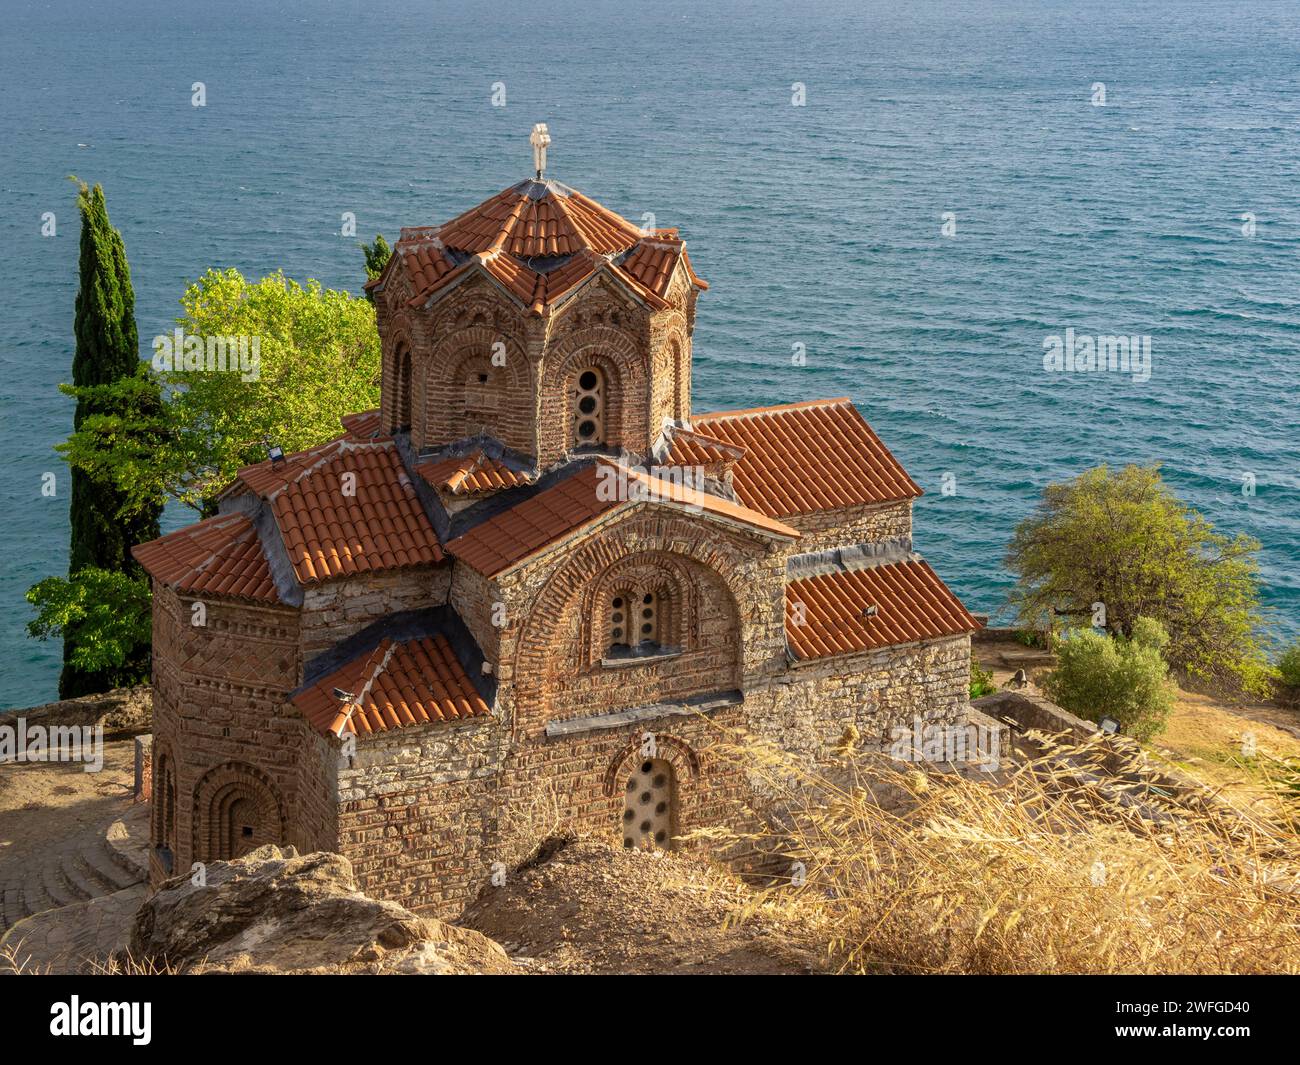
673	535
164	799
467	351
215	794
661	572
677	752
397	387
622	360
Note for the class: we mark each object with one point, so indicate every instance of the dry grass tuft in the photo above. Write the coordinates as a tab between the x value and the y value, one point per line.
1054	868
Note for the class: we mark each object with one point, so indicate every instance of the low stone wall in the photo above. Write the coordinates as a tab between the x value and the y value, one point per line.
123	711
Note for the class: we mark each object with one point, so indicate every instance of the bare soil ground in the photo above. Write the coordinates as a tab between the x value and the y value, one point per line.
44	803
594	908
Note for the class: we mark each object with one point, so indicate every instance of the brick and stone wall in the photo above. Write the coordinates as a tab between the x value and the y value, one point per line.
419	811
729	589
806	709
333	611
828	529
223	733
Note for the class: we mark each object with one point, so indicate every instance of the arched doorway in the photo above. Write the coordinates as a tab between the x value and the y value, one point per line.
650	806
236	810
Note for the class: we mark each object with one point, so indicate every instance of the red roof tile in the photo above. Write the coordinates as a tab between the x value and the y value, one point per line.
471	474
330	531
688	448
807	457
911	603
496	544
221	556
396	685
364	425
507	234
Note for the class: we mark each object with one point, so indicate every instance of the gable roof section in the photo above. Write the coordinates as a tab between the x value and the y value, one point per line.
911	603
689	448
221	556
471	474
330	533
509	537
806	457
396	685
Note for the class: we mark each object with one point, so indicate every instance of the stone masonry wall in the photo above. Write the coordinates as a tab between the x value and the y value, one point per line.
806	709
419	812
827	529
334	611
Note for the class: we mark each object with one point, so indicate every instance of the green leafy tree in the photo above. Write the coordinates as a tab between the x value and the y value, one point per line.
377	256
107	358
1124	540
110	612
1099	675
309	356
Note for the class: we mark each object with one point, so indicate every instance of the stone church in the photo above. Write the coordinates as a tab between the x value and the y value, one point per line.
534	575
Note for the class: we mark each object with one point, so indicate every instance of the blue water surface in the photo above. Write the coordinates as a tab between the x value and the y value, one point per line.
816	225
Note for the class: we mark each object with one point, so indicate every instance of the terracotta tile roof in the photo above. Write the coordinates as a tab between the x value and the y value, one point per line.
220	556
329	533
911	602
806	457
496	544
541	240
364	425
654	259
688	448
470	474
397	685
428	265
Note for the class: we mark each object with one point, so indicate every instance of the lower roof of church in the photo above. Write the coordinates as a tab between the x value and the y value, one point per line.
361	504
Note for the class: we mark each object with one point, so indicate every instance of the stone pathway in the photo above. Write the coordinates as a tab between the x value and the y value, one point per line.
71	939
73	902
91	864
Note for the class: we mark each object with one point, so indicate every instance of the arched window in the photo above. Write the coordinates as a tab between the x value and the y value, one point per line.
637	620
589	408
402	403
650	806
648	619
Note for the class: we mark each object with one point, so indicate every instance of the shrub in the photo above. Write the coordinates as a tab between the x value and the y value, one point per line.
1110	676
1288	666
981	681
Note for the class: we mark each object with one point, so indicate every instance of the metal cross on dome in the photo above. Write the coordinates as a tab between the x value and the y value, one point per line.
539	139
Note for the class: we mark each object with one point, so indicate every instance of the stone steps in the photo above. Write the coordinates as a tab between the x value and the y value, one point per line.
101	863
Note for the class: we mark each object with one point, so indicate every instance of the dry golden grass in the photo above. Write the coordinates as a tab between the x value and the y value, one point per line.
1055	869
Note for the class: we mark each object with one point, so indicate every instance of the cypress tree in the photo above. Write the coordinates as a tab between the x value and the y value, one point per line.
107	350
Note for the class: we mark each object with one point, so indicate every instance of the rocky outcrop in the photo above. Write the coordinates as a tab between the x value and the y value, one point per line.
123	710
276	911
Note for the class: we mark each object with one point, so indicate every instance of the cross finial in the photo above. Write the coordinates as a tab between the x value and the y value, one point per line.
539	140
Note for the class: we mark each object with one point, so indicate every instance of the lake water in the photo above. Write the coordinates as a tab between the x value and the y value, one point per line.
816	225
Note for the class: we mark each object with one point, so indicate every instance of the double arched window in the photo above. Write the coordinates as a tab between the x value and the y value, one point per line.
637	620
